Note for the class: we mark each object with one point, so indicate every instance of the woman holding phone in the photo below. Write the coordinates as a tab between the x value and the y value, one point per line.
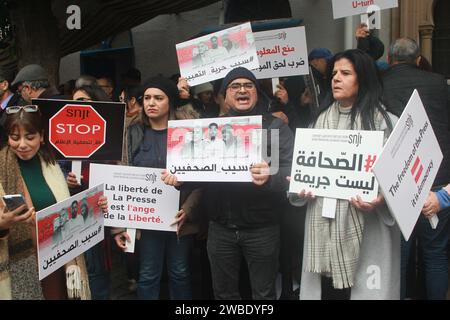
9	220
27	166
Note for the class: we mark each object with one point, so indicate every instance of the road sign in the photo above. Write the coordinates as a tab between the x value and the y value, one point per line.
77	131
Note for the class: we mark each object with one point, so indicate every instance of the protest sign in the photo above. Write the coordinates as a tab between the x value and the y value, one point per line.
408	165
211	57
336	163
281	53
63	237
215	149
84	130
347	8
137	197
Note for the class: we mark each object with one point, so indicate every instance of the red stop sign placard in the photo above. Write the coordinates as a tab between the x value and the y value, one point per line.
77	131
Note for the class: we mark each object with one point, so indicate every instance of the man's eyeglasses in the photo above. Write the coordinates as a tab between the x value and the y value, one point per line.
238	86
16	109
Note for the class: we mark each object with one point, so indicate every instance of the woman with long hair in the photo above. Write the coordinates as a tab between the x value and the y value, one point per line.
356	255
27	166
147	147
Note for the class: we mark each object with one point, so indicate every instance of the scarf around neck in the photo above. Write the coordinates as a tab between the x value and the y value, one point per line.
333	245
10	178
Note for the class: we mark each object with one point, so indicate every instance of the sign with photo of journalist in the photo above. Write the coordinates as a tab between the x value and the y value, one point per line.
63	236
211	57
336	163
214	149
408	165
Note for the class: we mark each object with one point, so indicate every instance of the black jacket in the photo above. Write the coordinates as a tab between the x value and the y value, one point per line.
372	46
246	205
399	82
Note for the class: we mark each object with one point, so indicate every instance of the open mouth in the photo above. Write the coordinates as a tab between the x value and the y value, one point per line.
243	99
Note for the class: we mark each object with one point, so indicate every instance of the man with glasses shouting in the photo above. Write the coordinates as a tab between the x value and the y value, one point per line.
244	219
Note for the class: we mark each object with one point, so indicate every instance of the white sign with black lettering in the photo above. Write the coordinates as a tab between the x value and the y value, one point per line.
347	8
336	163
408	165
281	53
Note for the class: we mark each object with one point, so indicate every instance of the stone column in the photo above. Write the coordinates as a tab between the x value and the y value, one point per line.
426	41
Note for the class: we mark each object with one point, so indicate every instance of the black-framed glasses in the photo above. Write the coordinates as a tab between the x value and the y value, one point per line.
237	86
83	99
16	109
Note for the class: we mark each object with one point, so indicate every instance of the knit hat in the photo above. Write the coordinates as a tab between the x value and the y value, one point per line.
239	72
318	53
31	72
165	85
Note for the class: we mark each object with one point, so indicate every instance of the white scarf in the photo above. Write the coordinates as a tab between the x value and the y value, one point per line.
333	245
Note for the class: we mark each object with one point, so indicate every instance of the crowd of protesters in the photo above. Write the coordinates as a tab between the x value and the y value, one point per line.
248	233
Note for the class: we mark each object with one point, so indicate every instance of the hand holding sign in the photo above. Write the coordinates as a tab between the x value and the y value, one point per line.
431	206
72	180
362	31
282	94
183	88
122	239
170	179
303	195
180	219
260	173
103	204
364	206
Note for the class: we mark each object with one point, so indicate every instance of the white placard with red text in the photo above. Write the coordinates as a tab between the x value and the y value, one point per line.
137	197
347	8
281	53
408	165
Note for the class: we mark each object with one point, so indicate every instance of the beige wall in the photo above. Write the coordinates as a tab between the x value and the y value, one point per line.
414	19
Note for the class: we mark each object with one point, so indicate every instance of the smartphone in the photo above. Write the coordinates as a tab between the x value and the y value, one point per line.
13	201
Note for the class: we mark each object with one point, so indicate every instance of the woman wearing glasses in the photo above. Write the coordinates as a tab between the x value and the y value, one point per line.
27	166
